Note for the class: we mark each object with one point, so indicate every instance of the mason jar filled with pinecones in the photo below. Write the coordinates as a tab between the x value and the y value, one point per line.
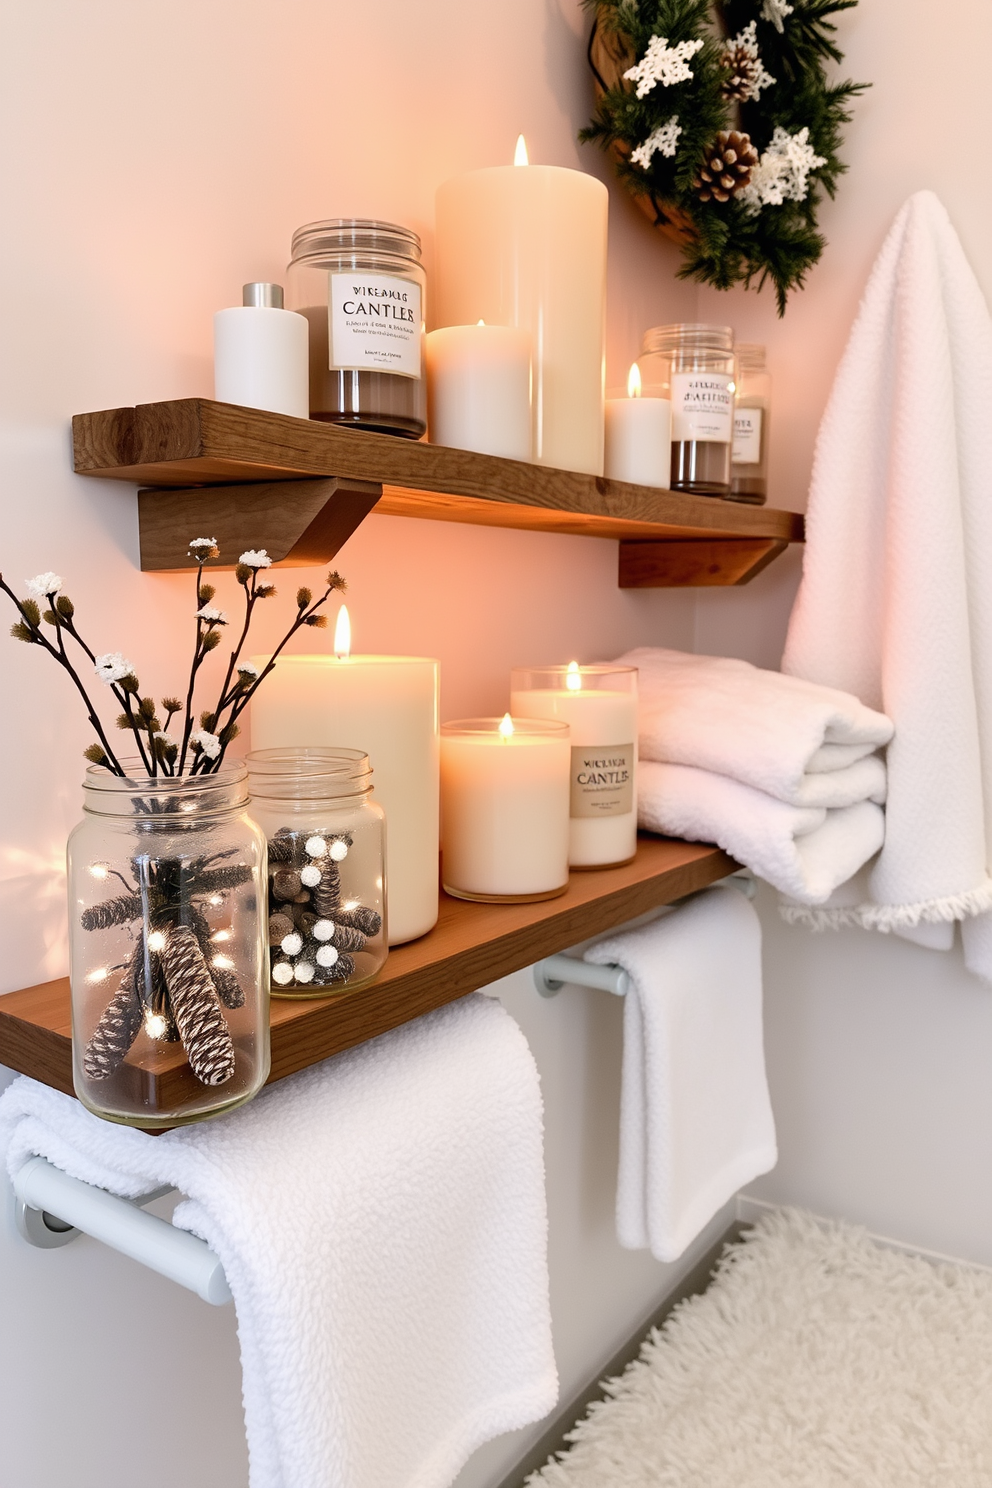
168	965
326	890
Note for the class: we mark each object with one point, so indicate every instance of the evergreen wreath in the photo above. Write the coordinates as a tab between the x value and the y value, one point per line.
724	127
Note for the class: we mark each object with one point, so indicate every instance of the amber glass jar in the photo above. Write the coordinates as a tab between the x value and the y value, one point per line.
702	384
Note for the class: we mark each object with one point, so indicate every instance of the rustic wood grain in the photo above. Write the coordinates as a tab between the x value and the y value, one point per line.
471	946
693	565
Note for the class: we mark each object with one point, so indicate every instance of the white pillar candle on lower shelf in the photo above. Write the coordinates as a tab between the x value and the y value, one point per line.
504	808
638	436
478	389
599	703
388	707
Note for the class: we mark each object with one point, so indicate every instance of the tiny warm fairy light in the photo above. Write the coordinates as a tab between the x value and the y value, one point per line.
223	963
573	678
156	941
156	1026
99	870
216	900
98	974
221	935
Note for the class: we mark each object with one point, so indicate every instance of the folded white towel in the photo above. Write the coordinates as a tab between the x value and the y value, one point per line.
381	1221
895	602
696	1122
759	727
804	851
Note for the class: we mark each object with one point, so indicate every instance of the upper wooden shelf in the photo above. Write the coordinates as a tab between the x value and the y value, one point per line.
299	488
471	946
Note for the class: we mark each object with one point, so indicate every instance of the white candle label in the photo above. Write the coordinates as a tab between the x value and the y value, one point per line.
374	323
702	406
602	780
747	436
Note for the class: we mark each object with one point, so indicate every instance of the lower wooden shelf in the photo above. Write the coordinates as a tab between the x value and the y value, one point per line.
471	946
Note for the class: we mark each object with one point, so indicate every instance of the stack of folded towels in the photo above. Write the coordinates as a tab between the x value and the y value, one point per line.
781	773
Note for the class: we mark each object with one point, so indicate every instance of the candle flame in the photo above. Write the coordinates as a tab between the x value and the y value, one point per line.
634	381
480	322
506	726
572	679
342	633
520	153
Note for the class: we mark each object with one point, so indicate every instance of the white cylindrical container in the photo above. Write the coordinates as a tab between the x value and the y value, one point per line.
261	354
478	389
638	436
599	703
504	809
386	706
525	245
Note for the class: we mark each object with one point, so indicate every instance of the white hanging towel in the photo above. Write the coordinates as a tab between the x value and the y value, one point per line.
381	1222
895	603
695	1119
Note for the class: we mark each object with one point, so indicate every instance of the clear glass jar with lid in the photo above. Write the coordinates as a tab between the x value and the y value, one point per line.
749	474
361	286
699	363
326	904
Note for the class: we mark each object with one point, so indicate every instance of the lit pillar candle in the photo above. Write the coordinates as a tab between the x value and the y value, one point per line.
638	436
525	245
478	389
504	808
388	707
599	703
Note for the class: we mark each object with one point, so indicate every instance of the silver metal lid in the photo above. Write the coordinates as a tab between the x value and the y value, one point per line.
267	296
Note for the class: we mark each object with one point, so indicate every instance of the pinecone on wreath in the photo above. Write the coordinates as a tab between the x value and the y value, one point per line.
726	167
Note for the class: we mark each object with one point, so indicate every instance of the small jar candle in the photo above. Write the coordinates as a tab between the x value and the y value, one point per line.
478	389
749	472
638	435
326	906
696	362
361	286
504	809
599	703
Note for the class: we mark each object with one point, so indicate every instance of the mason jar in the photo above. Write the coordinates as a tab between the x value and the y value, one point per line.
326	889
749	470
170	978
361	286
700	370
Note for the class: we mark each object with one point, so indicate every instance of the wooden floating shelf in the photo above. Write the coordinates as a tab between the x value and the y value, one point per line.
300	488
471	946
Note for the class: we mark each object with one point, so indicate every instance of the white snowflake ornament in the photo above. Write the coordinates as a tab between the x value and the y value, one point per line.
776	12
661	141
663	64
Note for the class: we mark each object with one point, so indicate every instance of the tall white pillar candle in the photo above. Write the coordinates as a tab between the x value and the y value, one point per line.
525	245
599	703
638	436
504	808
388	707
478	389
261	354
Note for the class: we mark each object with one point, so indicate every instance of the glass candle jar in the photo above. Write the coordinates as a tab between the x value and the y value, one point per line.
361	286
504	809
749	471
599	703
702	384
326	899
170	977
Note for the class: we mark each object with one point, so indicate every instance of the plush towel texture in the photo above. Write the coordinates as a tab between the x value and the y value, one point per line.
895	603
805	852
695	1118
381	1221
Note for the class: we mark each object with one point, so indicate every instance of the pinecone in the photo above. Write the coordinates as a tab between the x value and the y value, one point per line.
196	1008
727	166
743	70
118	1026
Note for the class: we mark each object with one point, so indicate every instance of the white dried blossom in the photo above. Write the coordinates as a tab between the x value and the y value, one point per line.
208	742
43	584
256	558
782	174
247	669
327	956
315	847
662	140
203	542
310	876
339	851
662	64
212	615
752	75
161	734
112	667
776	12
323	930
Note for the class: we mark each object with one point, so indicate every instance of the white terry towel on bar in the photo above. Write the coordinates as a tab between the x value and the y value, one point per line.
795	740
381	1222
895	602
805	852
695	1119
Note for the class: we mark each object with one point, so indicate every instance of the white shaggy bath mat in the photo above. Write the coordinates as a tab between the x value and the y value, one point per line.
815	1359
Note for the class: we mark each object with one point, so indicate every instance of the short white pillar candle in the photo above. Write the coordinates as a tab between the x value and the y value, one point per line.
504	808
479	389
638	436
